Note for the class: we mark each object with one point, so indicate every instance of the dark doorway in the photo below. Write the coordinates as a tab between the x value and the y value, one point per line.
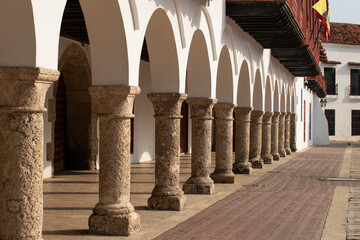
60	127
184	128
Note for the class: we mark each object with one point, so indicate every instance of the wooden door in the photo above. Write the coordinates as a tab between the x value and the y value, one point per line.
184	128
60	127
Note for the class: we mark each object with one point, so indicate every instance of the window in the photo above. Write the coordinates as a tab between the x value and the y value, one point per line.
310	121
355	85
330	116
301	105
304	120
355	123
331	87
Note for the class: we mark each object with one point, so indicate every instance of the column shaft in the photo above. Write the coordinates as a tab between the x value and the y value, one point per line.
255	139
201	116
275	136
287	134
167	194
281	149
242	140
114	214
22	98
224	143
266	138
293	132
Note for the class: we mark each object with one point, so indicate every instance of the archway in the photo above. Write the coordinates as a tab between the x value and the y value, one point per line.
282	102
224	80
268	98
276	98
75	129
243	92
258	93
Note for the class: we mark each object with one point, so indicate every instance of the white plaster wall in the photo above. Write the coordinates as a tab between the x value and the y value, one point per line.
321	132
308	97
342	103
144	122
47	135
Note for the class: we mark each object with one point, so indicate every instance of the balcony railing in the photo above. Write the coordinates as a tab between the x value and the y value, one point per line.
332	89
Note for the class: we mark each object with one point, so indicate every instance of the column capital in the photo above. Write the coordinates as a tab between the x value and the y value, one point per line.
201	108
114	100
24	89
167	104
242	114
276	114
224	111
267	117
257	116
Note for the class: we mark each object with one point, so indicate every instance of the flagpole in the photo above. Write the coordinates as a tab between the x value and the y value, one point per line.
312	32
316	39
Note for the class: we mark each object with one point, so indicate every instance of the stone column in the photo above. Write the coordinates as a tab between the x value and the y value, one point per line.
281	149
114	214
266	138
22	98
255	139
287	134
224	143
201	116
275	136
242	140
293	132
167	194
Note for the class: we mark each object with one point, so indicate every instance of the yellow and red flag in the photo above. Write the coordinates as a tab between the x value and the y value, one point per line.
322	12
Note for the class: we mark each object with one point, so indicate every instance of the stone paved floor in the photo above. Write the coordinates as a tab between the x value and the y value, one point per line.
353	229
287	203
285	200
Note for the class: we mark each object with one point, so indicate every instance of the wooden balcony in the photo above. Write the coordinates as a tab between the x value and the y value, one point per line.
273	24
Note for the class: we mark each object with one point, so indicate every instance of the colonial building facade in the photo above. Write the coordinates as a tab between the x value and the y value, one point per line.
99	84
342	71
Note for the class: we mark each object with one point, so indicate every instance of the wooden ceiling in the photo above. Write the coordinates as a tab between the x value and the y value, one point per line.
73	24
273	25
74	27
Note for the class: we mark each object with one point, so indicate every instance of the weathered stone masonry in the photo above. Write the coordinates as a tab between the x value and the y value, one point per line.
167	194
22	97
114	214
201	116
224	143
242	140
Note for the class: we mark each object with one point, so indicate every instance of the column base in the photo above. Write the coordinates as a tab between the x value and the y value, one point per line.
242	168
268	159
288	151
175	203
276	156
257	163
282	153
223	177
199	188
114	225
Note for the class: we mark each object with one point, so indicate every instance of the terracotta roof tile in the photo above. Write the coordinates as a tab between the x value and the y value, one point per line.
343	33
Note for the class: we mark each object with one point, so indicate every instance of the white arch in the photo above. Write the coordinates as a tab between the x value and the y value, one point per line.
268	95
276	97
198	68
258	92
224	80
163	53
244	90
109	55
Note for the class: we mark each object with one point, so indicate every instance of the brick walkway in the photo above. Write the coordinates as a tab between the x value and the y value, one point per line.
289	202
